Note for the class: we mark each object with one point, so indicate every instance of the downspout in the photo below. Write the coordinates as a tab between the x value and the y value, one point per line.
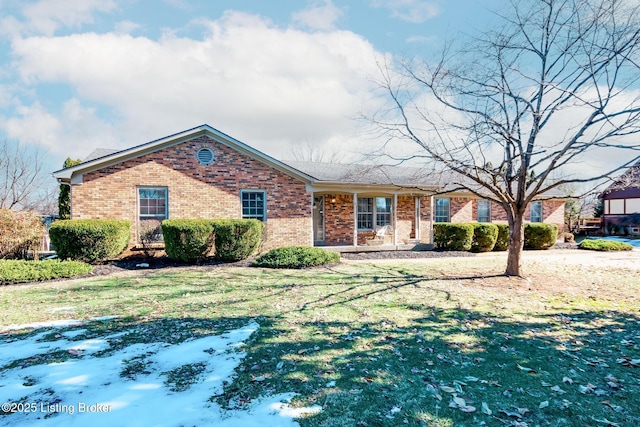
431	217
355	219
395	220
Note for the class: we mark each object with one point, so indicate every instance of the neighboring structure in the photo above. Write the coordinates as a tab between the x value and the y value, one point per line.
204	173
621	204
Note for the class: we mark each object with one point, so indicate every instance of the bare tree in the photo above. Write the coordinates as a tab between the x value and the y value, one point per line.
23	183
514	109
310	152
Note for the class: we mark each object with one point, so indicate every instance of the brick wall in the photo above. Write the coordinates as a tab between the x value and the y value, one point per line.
461	209
198	191
406	213
553	213
338	219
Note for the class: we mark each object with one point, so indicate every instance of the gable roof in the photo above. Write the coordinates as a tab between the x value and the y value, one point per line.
102	158
363	174
629	179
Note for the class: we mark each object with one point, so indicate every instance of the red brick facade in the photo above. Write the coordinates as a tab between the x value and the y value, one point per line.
198	191
214	191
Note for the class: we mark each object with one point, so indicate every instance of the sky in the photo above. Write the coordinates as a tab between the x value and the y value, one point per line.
90	390
76	75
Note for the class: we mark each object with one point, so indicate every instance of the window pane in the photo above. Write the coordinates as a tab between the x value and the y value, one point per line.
484	211
383	211
536	211
442	210
253	204
365	213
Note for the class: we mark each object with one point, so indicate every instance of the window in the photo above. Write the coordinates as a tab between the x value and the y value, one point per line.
374	207
254	204
484	211
442	210
152	205
383	211
535	210
365	213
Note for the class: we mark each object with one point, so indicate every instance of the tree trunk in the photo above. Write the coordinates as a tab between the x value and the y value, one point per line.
516	242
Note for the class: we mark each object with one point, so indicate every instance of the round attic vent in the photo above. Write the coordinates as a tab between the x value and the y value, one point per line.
205	156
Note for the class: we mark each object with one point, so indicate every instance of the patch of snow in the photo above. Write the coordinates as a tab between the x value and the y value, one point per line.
87	390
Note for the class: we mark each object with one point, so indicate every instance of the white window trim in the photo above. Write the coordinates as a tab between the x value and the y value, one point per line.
484	201
435	208
153	187
374	220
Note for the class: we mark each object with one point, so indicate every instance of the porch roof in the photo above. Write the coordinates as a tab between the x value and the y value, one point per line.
365	175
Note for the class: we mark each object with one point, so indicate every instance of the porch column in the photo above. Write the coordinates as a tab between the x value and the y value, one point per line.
417	217
313	236
432	216
395	219
355	219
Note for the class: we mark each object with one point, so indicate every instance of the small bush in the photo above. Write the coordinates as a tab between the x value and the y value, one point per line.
485	236
188	240
296	257
237	239
540	236
20	232
568	237
453	237
604	245
89	240
20	271
502	241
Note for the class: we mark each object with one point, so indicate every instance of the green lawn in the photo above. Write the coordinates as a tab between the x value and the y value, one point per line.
446	342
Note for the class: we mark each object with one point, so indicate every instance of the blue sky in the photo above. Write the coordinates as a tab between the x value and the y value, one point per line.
76	75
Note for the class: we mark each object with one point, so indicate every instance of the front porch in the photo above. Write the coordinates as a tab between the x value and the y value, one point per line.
379	248
368	221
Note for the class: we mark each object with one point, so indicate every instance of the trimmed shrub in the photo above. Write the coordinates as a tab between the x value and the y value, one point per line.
20	271
20	232
89	240
237	239
502	241
485	236
296	257
604	245
540	236
453	237
188	240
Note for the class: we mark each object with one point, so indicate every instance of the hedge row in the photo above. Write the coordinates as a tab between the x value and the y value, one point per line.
89	240
189	240
20	271
296	257
484	237
604	245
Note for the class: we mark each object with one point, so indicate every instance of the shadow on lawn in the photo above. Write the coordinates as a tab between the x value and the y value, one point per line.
389	361
403	364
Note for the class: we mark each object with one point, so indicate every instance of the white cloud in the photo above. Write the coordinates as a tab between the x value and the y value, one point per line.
74	132
126	27
268	86
321	16
46	16
413	11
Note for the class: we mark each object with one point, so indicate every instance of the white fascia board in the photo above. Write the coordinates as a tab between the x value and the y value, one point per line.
159	144
344	187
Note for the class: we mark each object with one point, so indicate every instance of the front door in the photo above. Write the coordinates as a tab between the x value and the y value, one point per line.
318	220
